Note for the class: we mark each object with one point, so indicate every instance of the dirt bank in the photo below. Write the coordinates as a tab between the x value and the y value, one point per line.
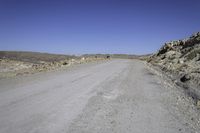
180	61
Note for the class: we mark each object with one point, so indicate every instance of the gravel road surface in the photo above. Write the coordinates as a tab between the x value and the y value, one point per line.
116	96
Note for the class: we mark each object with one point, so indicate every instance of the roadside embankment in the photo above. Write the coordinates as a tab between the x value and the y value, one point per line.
180	61
20	63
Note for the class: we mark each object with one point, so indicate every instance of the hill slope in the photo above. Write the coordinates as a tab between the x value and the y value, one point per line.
181	60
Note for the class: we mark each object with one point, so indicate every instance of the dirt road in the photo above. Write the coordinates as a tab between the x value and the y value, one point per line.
117	96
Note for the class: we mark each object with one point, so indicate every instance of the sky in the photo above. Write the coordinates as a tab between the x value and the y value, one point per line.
95	26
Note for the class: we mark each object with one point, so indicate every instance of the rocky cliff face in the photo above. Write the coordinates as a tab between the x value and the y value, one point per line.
181	59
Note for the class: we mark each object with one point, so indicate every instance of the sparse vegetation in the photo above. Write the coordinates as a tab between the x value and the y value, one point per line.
13	63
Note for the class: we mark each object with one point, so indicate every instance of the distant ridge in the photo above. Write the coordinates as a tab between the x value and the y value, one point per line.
33	57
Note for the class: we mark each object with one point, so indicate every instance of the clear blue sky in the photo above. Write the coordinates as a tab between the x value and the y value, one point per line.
95	26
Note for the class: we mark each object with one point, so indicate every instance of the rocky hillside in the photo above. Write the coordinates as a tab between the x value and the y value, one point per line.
181	60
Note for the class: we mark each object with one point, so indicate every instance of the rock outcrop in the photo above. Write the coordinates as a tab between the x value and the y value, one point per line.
181	59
